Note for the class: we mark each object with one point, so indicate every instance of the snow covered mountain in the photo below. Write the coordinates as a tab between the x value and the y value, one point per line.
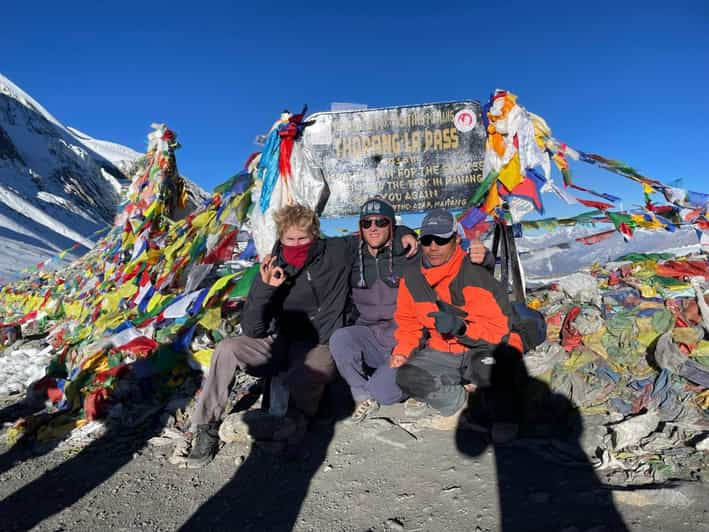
121	156
58	185
551	255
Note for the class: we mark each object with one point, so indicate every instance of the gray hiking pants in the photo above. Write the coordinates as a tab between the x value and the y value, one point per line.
436	378
355	347
308	368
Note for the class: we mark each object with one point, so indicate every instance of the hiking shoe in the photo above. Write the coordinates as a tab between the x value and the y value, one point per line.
414	407
244	427
362	410
457	421
180	453
504	432
447	423
204	447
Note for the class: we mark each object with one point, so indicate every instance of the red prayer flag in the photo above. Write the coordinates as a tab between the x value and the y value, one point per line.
596	238
141	346
595	204
223	250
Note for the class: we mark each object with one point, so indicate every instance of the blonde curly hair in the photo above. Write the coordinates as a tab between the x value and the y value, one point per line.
299	216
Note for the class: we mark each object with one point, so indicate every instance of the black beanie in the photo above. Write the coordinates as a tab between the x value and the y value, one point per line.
377	205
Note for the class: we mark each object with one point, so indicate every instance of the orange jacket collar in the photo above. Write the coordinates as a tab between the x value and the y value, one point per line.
435	274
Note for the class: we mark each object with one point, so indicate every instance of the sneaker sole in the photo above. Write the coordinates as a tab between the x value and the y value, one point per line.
191	463
353	421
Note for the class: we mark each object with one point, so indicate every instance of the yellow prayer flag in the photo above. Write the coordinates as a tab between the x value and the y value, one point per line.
201	359
203	219
511	173
218	285
211	319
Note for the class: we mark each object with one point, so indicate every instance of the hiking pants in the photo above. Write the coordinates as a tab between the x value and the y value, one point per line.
308	368
355	350
436	378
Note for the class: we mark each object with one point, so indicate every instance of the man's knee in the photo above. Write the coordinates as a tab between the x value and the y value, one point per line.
225	350
252	355
316	366
414	381
342	343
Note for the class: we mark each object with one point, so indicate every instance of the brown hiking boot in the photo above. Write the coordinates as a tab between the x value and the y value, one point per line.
457	421
205	444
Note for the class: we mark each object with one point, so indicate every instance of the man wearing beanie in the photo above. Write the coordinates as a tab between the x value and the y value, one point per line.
452	328
362	351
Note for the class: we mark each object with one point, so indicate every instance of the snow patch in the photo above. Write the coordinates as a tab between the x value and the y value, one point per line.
22	206
64	203
543	259
20	368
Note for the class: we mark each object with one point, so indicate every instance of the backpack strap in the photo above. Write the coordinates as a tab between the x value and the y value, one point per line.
418	286
469	275
504	242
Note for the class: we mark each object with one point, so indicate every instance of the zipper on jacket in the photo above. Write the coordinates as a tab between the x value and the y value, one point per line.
376	263
312	289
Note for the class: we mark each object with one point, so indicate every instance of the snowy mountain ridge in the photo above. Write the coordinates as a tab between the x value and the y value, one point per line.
58	185
121	156
558	253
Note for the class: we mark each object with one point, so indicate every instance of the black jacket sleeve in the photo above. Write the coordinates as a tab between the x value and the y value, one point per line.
399	232
257	313
489	261
351	243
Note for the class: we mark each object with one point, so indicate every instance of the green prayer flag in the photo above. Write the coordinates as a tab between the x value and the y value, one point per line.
243	285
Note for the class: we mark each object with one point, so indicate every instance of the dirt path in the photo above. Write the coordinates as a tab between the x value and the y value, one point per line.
374	477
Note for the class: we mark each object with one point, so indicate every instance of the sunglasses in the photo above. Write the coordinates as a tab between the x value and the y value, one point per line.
379	222
439	240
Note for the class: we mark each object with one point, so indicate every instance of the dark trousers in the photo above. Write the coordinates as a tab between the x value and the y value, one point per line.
308	369
436	378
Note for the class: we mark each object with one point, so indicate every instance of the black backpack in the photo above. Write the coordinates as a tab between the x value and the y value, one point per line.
529	324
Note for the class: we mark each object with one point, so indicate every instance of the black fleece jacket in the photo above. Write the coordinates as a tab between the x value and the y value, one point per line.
310	305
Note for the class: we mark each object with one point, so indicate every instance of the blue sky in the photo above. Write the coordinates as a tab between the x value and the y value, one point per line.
628	80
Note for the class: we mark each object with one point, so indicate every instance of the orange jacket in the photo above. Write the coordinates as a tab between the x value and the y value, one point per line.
485	320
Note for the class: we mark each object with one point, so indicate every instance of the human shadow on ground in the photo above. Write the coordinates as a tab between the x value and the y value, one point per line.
26	447
545	480
269	487
64	485
17	410
28	411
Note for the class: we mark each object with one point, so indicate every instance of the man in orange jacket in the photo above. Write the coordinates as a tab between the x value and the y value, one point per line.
453	327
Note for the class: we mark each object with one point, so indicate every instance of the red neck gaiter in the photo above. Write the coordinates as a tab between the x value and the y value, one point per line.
296	255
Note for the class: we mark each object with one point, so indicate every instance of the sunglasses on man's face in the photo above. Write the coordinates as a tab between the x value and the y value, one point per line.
439	240
379	222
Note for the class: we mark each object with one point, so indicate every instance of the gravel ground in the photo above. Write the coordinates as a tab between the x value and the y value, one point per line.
370	477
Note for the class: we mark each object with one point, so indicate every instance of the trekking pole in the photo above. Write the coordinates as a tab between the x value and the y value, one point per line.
495	248
518	288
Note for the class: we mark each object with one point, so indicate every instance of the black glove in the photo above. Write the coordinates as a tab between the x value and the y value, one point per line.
447	323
